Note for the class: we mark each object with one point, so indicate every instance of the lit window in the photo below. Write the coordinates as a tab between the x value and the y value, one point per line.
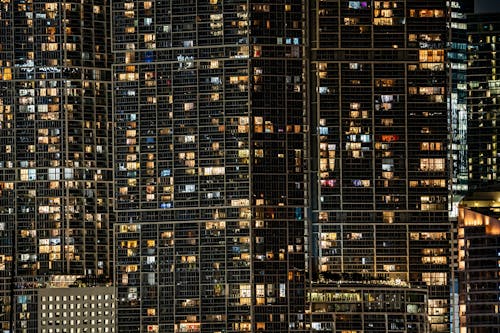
388	217
383	21
432	164
389	268
430	146
431	55
188	188
7	74
188	106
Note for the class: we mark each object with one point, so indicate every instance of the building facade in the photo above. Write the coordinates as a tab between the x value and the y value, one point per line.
367	306
478	253
457	101
195	151
483	93
55	165
210	165
76	309
379	104
478	235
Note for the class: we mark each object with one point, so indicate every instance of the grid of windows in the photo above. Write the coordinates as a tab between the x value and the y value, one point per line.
457	58
372	306
209	165
483	91
478	260
55	164
379	99
204	158
76	310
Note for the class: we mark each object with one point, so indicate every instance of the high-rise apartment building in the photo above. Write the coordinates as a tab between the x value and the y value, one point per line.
478	253
457	100
55	165
210	165
483	37
478	227
76	310
380	135
192	148
457	117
